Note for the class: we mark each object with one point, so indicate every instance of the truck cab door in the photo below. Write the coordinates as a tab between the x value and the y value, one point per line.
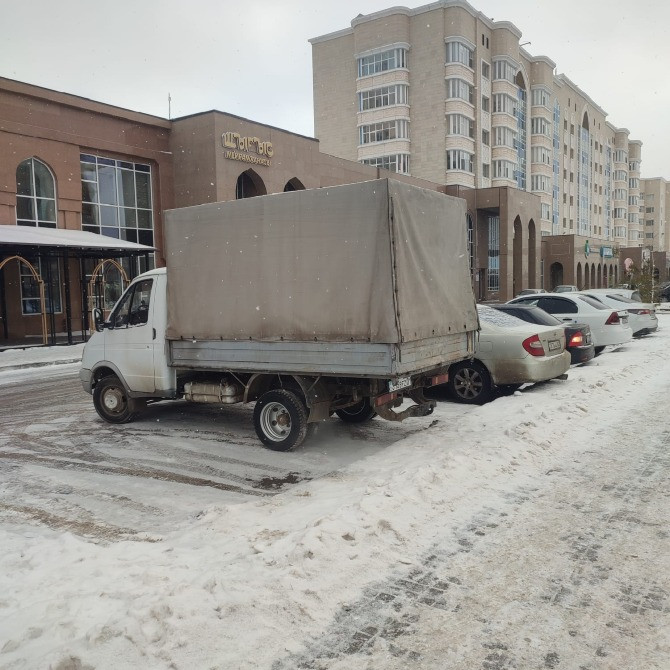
130	336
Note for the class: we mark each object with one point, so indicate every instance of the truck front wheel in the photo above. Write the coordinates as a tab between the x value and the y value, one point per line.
112	402
280	420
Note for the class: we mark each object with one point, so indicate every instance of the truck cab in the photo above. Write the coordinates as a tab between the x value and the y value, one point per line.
130	346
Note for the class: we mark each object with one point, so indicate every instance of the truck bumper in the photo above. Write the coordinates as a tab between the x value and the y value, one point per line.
86	379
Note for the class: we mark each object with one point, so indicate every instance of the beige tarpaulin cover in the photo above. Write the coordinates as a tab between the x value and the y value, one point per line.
378	261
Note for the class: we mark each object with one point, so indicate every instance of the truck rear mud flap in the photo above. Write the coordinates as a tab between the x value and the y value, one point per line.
423	407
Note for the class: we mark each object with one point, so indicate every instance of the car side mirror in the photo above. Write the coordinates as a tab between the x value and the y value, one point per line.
98	319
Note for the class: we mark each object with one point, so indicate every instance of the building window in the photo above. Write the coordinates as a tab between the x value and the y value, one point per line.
540	126
458	52
35	195
459	88
502	102
486	170
649	210
385	130
486	105
546	211
620	175
457	124
494	254
49	272
620	156
540	97
460	160
117	200
633	182
504	137
486	138
390	59
620	213
632	217
398	163
486	70
540	155
620	193
503	69
649	236
633	201
540	182
503	169
471	241
634	166
383	97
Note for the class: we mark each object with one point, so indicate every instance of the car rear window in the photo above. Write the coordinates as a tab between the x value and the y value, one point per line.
594	303
620	298
532	314
555	305
498	318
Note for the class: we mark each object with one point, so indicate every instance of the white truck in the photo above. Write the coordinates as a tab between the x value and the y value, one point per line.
346	300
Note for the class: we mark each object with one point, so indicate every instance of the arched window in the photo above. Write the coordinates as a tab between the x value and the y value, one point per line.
35	195
249	185
293	185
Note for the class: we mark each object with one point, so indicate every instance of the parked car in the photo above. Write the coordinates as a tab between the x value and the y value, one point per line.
663	292
510	352
631	293
530	291
608	326
578	338
565	288
642	317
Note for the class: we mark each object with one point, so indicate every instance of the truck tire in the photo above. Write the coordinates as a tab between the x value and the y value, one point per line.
111	401
358	413
470	383
280	420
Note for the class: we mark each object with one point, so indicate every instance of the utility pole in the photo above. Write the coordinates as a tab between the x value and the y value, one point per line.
169	107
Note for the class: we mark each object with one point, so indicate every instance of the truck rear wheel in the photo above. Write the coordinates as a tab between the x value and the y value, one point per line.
280	420
358	413
111	401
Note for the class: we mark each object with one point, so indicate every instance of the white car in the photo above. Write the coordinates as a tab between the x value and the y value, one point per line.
608	326
642	317
510	352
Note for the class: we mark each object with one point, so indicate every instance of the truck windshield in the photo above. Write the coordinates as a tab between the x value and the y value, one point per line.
133	310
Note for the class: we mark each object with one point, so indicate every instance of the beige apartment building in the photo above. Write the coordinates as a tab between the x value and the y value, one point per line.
654	201
444	93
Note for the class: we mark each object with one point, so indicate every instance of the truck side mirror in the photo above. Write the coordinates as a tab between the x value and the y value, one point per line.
98	319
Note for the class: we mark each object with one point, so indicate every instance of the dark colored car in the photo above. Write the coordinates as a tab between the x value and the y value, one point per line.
578	340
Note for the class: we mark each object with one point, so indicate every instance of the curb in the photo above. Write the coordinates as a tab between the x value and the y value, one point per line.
39	364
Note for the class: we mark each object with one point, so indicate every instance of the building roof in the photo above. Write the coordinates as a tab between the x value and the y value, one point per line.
71	239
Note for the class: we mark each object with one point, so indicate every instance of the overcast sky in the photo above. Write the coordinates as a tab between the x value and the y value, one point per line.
252	57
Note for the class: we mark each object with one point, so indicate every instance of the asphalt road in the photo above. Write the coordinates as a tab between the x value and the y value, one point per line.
61	465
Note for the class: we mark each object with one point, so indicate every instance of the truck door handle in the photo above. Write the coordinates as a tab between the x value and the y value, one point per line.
153	330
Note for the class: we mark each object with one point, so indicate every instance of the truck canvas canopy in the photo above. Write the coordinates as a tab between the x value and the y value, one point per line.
378	261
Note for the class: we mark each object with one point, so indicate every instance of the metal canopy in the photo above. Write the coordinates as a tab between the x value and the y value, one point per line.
73	240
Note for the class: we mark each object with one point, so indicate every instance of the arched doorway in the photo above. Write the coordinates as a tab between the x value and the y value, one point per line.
294	185
517	258
599	277
593	276
580	283
532	257
555	275
249	185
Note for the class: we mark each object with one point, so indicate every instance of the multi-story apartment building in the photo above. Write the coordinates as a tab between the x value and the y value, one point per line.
446	94
654	203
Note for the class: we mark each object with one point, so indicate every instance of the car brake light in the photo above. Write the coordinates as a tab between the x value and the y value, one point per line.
533	346
613	318
639	311
576	340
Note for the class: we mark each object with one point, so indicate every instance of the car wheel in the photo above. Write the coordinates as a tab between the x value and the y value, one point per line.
111	401
358	413
599	350
280	420
470	382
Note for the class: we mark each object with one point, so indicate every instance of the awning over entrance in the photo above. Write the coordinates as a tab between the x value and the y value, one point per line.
75	254
59	238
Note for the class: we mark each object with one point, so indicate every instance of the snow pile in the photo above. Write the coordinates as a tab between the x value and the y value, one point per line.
244	584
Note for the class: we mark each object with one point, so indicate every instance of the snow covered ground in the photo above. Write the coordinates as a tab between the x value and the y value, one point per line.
527	533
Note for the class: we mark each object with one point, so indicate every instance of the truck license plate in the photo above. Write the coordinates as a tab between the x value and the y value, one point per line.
400	383
554	344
